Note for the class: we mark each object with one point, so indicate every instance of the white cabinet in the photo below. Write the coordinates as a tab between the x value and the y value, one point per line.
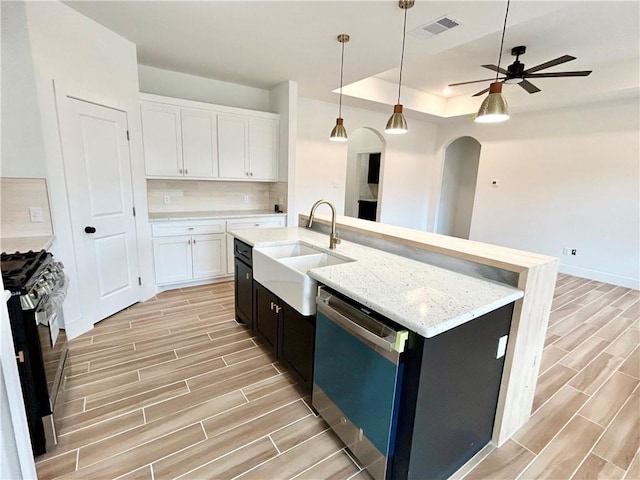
162	137
185	139
172	259
245	223
208	253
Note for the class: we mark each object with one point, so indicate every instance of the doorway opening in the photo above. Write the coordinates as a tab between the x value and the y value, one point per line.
363	186
459	178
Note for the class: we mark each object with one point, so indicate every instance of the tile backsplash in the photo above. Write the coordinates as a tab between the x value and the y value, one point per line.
197	196
24	208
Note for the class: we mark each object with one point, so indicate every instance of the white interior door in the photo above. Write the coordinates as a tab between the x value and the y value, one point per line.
98	174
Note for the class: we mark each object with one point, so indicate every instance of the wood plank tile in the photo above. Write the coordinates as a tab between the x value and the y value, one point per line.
105	384
335	467
119	407
247	354
583	354
117	444
140	455
633	311
504	463
596	468
202	395
631	366
550	382
268	386
550	356
217	446
626	300
607	401
296	433
551	338
633	472
613	329
298	459
56	467
590	379
625	343
621	441
230	466
214	376
566	451
66	409
547	421
143	473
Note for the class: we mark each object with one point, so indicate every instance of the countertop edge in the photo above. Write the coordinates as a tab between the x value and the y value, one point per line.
224	215
24	244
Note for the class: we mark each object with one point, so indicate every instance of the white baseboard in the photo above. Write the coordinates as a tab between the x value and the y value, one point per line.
605	277
164	288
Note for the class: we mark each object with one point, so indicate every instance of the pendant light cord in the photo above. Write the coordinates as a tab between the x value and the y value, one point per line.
404	36
341	70
504	28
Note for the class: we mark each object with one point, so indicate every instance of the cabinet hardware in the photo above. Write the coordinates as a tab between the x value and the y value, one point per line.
20	356
194	241
189	242
180	170
256	224
248	276
278	309
251	174
190	228
273	305
186	172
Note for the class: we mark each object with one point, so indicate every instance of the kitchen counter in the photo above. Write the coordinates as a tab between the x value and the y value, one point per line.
209	215
24	244
423	298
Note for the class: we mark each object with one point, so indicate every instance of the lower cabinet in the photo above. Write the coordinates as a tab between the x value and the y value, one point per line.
184	258
244	292
286	332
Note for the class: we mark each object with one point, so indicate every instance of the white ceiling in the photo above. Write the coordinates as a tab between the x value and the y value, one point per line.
263	43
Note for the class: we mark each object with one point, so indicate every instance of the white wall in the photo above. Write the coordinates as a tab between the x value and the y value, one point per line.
321	164
200	89
22	143
90	62
567	178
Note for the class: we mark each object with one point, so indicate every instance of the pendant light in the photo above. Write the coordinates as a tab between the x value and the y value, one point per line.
339	134
397	124
494	107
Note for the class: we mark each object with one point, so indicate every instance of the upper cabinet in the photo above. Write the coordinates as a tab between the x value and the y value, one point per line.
185	139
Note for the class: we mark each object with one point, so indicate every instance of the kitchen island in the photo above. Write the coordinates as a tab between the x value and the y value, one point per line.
440	403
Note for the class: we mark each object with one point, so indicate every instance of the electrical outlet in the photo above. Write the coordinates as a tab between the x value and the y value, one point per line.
565	250
35	214
574	251
167	199
246	199
495	182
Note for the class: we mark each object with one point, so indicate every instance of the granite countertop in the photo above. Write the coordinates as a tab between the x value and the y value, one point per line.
24	244
209	215
423	298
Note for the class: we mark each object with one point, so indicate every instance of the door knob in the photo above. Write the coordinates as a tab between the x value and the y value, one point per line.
89	229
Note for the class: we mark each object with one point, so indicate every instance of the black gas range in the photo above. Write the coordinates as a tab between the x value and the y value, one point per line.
38	287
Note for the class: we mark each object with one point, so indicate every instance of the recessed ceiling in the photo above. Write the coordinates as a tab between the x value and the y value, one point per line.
264	43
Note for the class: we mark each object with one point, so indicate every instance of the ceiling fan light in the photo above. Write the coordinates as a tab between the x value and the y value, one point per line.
339	133
514	81
397	124
494	107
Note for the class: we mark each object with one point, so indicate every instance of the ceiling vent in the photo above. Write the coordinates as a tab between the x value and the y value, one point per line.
436	27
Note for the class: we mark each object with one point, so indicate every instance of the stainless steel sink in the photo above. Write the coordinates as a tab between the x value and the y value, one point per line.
283	270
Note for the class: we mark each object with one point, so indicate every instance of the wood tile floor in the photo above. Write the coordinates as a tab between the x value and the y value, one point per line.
174	387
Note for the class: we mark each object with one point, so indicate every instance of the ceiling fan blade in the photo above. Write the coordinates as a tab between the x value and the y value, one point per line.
529	87
495	69
472	81
583	73
550	63
481	93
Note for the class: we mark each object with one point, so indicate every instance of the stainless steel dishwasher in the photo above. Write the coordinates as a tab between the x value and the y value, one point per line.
357	379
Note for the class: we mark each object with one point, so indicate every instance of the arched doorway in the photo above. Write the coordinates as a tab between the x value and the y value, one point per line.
363	186
458	189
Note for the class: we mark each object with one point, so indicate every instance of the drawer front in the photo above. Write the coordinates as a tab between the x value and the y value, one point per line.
255	222
243	251
193	227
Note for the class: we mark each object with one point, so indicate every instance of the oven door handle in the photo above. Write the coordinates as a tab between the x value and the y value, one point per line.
394	342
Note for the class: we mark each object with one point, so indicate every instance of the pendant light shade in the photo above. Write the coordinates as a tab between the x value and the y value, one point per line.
397	124
494	108
339	133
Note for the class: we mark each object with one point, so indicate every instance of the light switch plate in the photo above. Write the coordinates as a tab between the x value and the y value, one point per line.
502	346
35	215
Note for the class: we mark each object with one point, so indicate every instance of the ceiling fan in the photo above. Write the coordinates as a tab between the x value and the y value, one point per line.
516	73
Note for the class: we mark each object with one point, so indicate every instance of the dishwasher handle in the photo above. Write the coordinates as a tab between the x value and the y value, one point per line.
394	341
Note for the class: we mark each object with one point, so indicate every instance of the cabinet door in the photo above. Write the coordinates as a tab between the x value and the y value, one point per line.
233	146
209	255
162	137
199	143
172	259
265	316
296	345
263	149
244	292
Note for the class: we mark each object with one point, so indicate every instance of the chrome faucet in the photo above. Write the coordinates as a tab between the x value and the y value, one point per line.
333	238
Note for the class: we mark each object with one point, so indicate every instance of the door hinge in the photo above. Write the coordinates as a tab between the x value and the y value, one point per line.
128	136
134	211
139	281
